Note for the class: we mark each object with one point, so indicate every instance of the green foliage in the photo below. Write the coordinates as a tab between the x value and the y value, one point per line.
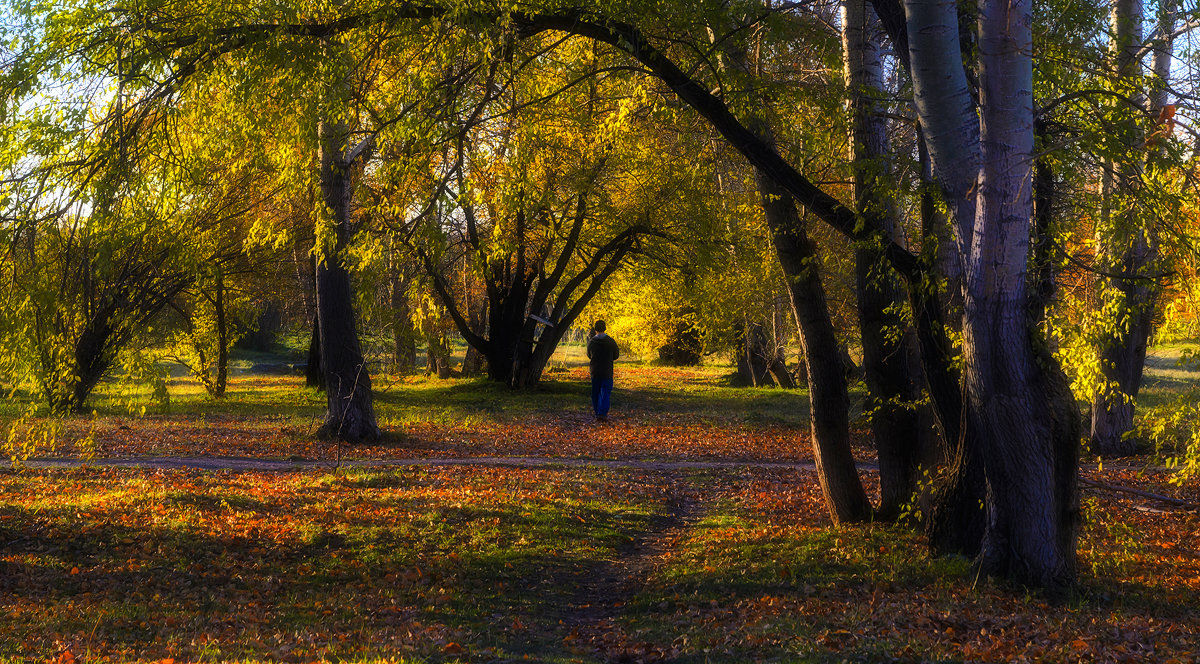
1174	428
29	435
1124	543
212	319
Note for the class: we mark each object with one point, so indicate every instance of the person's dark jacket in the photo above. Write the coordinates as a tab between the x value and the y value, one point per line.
602	351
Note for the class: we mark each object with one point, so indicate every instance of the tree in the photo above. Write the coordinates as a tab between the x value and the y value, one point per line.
1020	414
107	236
1020	411
1127	238
548	202
891	360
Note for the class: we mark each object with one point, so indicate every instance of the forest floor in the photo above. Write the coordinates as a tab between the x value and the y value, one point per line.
492	526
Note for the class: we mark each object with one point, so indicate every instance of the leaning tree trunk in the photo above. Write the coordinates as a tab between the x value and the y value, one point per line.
540	354
93	357
779	371
829	400
827	390
350	415
891	364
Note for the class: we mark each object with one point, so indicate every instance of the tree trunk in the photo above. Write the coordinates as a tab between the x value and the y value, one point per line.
829	400
404	342
474	361
1122	360
827	390
314	374
891	367
1024	438
891	364
218	388
500	352
936	228
437	355
506	321
779	372
754	356
954	514
1128	248
945	106
350	415
93	357
541	353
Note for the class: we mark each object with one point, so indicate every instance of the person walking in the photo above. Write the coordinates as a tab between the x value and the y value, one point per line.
602	351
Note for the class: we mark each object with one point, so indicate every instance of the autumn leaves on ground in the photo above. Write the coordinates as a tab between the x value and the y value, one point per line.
638	559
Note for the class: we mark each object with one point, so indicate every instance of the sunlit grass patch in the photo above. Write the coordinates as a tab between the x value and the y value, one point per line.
658	412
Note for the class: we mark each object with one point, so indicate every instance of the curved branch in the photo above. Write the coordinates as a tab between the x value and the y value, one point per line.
443	291
1079	94
630	39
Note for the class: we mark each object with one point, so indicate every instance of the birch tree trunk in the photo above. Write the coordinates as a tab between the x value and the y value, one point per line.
1029	454
949	123
1021	423
891	364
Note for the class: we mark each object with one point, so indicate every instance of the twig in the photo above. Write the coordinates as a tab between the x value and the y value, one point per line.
1138	492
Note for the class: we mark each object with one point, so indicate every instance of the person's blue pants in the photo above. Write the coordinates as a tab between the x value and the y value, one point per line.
601	391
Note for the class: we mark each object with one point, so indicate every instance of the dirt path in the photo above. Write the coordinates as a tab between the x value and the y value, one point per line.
590	619
241	464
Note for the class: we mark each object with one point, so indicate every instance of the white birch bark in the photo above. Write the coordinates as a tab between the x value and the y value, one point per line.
944	104
1028	451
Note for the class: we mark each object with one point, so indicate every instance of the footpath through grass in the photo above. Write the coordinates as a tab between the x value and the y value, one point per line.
551	564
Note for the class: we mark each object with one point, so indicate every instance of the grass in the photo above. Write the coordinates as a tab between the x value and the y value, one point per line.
1165	377
144	565
659	413
554	563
